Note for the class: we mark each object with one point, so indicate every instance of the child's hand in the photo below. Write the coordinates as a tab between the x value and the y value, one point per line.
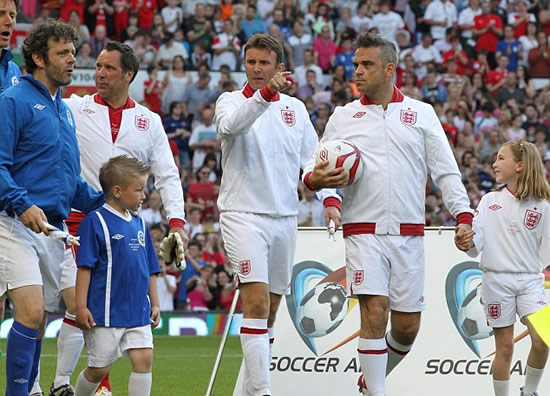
155	316
464	237
84	319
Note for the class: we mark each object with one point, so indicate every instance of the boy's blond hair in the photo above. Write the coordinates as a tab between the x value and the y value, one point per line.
120	171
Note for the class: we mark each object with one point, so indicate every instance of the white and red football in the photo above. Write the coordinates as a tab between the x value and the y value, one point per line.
341	153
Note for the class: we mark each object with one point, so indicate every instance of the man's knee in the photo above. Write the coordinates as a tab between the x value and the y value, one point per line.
405	326
374	315
255	298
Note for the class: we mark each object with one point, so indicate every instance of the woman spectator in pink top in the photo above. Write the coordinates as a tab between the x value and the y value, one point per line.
324	50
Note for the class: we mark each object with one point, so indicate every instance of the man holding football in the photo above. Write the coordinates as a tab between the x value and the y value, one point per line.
266	137
383	211
109	123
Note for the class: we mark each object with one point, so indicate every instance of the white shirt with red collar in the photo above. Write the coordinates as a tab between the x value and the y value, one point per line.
511	235
104	132
228	57
398	146
266	138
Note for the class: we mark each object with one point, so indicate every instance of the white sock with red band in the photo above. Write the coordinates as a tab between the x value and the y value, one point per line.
396	352
373	357
255	345
69	346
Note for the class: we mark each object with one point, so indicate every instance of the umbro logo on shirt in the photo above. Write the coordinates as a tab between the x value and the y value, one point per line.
117	236
359	114
495	207
39	106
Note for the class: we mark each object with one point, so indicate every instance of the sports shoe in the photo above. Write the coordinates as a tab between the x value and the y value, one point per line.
37	394
362	386
62	390
532	394
103	391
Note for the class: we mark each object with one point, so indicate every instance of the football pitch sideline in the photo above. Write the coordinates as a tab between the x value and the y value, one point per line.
181	367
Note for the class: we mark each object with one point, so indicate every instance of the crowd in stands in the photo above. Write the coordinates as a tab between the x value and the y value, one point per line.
483	65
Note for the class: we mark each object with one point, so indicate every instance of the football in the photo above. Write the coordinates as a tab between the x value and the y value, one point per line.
472	321
341	153
322	309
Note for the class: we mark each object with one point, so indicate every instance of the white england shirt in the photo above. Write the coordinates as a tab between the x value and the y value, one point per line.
141	135
398	146
266	138
511	235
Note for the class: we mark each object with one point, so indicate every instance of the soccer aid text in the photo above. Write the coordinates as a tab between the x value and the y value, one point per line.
468	367
303	364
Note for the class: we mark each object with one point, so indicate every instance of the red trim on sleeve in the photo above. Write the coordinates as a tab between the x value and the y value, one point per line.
308	184
465	218
177	223
331	201
268	94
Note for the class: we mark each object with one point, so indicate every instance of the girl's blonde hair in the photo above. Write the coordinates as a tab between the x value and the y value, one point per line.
531	183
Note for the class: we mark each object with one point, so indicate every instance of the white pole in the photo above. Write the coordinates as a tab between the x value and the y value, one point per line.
222	343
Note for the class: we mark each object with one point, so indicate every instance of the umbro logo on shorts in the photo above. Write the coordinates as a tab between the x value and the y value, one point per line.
117	236
495	207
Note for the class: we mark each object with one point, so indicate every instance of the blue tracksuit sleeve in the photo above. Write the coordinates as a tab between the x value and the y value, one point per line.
86	198
12	197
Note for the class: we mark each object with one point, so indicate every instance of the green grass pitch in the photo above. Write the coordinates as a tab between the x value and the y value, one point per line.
182	366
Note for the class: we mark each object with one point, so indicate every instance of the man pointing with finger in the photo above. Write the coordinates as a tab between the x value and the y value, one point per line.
266	137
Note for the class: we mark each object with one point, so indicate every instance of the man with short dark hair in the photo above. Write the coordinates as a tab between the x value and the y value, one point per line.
196	96
109	123
385	253
39	182
266	137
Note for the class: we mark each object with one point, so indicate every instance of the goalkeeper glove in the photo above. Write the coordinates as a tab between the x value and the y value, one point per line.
173	252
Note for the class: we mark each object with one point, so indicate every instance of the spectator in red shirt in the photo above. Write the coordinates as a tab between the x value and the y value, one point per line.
495	78
539	59
146	11
153	90
99	13
488	29
203	194
456	53
71	5
121	16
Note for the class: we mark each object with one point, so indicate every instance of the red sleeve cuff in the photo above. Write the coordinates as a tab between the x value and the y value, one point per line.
465	218
177	223
331	201
308	184
267	93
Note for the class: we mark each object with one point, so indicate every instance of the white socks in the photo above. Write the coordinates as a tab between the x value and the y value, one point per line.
256	351
271	335
502	388
69	345
396	352
84	387
140	384
373	357
532	380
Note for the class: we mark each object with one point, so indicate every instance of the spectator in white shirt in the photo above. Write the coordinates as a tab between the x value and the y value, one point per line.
387	21
226	46
466	23
311	212
172	15
361	22
425	53
300	71
152	214
169	50
440	15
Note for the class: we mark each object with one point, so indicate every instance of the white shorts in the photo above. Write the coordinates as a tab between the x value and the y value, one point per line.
104	345
68	270
387	265
505	294
27	258
260	248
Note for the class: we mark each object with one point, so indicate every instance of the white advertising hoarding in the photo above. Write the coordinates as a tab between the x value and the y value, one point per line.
453	351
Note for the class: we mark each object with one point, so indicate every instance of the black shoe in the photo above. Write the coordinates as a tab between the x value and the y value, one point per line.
63	390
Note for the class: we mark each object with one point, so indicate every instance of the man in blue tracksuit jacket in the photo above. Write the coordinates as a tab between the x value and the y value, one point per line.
39	181
9	71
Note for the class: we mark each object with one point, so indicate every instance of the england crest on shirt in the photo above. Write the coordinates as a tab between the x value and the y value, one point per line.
142	122
408	117
531	219
289	117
